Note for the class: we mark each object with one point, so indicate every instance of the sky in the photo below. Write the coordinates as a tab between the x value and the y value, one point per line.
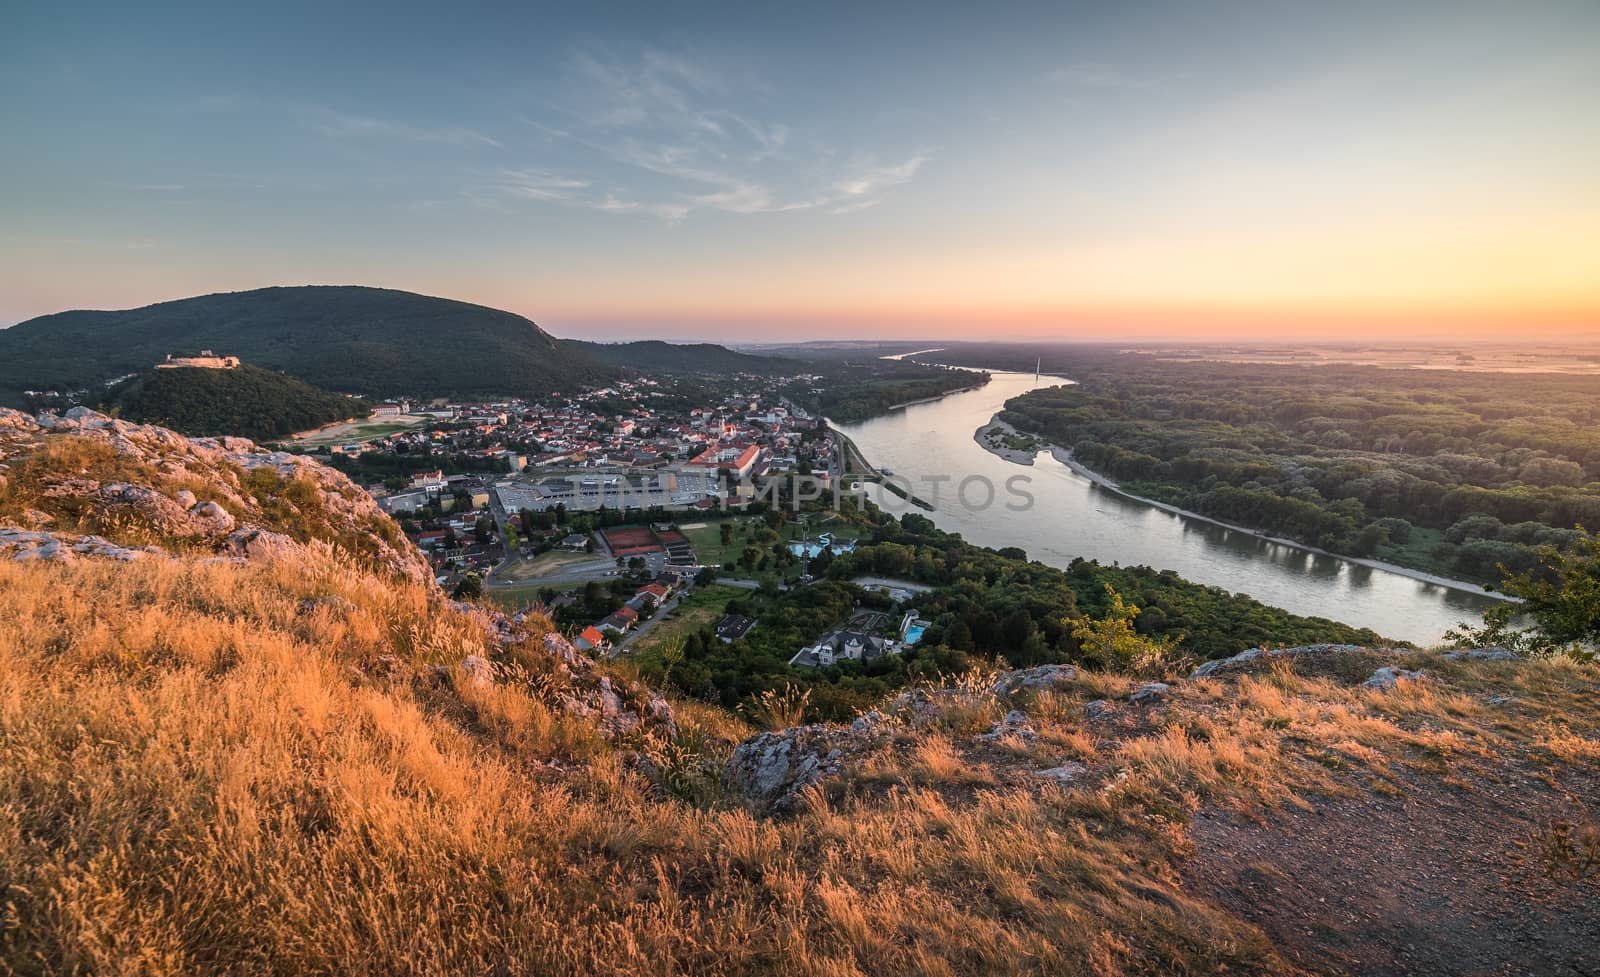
759	171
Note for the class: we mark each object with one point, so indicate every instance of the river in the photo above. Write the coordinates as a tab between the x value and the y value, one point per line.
1071	516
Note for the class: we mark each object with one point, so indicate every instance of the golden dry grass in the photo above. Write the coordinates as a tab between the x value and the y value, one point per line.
197	774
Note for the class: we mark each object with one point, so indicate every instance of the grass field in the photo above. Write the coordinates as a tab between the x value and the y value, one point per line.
701	609
706	539
356	432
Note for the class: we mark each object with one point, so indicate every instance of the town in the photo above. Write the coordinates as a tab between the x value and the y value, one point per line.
611	507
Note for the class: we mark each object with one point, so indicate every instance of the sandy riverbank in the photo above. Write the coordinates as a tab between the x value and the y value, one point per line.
991	437
1064	456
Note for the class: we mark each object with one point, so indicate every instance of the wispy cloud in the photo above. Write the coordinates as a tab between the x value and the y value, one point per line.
533	184
875	178
666	135
347	125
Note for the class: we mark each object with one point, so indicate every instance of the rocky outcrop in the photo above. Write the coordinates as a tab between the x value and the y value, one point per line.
1064	774
773	770
569	679
1044	678
1150	693
1390	676
24	546
188	492
1245	658
1015	726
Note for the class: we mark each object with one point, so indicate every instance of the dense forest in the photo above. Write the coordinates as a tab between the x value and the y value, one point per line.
1458	473
985	605
847	392
369	341
652	356
247	401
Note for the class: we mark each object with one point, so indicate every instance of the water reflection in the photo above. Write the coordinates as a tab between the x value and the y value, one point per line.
932	446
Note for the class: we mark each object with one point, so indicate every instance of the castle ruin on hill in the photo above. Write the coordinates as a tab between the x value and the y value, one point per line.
207	360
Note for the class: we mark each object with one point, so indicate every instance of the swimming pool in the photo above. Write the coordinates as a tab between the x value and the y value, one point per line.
914	634
810	550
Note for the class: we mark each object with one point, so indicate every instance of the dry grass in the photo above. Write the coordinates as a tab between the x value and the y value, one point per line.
198	775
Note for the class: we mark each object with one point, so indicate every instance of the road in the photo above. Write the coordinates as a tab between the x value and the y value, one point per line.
645	627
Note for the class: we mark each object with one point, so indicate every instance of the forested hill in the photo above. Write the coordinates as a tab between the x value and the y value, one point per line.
248	402
369	341
681	358
1459	473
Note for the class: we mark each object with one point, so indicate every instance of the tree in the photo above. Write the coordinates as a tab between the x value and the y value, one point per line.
1399	530
1115	642
1561	595
1370	538
470	588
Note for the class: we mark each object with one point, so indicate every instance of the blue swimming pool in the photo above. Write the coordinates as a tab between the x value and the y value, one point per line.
810	550
914	634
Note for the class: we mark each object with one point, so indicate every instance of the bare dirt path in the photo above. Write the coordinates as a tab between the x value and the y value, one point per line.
1446	880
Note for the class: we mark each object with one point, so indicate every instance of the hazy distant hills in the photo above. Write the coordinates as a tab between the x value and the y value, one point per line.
655	356
246	401
369	341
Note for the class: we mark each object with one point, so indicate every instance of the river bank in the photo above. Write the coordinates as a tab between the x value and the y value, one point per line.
1064	456
935	398
1058	514
992	437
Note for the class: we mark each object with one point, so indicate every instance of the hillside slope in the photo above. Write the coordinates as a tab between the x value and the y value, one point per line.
369	341
287	752
655	356
246	401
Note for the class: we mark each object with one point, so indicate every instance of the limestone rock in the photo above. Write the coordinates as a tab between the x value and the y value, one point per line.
211	519
340	513
1098	709
869	723
1150	693
1064	774
259	544
477	671
26	546
772	770
1044	678
1390	676
1015	725
1221	665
